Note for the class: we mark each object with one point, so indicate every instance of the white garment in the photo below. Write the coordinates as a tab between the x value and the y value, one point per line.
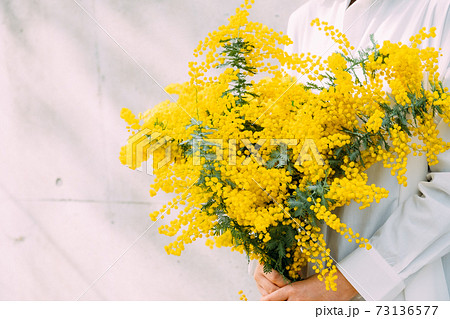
409	230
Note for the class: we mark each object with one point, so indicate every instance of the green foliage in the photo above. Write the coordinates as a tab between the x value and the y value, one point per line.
236	51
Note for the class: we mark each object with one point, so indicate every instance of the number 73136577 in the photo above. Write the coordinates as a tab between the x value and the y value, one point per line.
406	310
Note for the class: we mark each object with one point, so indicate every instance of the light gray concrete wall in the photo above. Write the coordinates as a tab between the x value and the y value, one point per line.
68	208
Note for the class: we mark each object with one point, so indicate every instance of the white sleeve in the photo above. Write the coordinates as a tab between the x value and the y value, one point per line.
416	234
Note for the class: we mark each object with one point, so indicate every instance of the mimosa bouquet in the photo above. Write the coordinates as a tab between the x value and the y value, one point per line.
259	159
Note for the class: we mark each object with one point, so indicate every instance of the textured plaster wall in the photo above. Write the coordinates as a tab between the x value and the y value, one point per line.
68	208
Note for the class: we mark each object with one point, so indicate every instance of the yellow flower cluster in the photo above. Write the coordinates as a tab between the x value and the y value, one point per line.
259	165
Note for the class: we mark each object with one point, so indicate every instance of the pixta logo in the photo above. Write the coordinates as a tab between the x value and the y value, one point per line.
142	145
140	148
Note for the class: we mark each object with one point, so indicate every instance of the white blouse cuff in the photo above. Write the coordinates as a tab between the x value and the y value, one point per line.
371	275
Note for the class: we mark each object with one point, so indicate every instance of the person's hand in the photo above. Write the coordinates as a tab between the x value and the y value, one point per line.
268	283
310	289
